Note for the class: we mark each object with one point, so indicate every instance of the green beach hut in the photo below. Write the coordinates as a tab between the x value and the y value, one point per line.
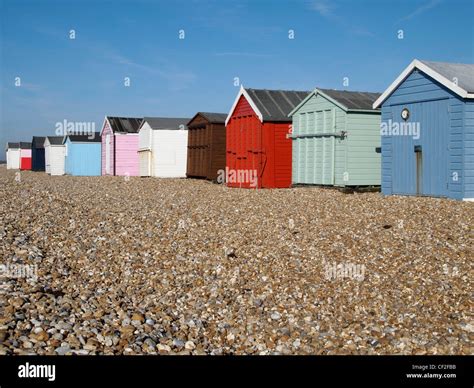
336	139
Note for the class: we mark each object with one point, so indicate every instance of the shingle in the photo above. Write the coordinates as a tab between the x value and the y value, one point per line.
275	105
125	124
463	72
166	122
25	145
351	99
38	142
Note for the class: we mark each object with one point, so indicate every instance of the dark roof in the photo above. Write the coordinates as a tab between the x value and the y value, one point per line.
25	145
13	145
38	142
275	105
463	72
214	118
353	100
125	124
55	140
166	122
92	138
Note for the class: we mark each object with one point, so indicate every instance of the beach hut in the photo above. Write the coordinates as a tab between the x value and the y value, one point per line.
83	154
162	147
120	146
54	154
25	156
257	136
427	131
13	156
206	145
335	136
37	153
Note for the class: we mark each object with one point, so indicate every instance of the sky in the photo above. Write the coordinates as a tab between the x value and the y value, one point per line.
177	57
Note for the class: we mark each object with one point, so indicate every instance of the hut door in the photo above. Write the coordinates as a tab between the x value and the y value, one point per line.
434	134
328	143
419	172
145	163
107	154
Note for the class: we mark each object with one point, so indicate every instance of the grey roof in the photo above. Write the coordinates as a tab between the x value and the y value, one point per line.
125	124
167	122
275	105
13	145
24	145
351	99
463	72
55	140
215	118
91	138
38	142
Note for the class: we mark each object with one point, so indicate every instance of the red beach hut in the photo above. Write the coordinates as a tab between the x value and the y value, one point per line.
25	156
258	146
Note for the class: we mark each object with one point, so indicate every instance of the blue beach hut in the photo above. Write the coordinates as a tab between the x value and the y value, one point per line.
83	154
427	131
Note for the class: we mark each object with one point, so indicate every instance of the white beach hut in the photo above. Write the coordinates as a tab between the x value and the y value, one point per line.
13	156
163	146
54	153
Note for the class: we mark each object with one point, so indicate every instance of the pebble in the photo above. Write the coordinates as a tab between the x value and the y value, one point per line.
138	317
163	348
39	335
62	350
178	343
275	316
90	347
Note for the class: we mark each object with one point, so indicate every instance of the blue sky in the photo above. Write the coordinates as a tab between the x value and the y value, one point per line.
82	79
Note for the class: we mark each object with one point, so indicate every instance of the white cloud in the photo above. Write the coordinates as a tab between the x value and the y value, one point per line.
421	9
323	7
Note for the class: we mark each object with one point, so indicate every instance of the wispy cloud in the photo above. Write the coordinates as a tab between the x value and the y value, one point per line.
52	32
420	10
177	78
323	7
241	54
328	10
362	31
30	87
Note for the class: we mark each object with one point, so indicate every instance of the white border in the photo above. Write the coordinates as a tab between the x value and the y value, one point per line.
243	92
103	126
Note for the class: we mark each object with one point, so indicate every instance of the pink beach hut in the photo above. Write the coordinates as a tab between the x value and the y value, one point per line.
120	146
